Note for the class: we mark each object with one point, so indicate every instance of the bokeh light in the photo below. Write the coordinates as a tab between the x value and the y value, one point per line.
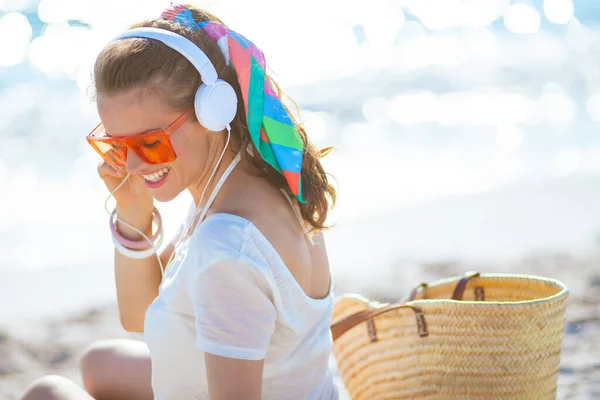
16	33
414	108
559	11
16	5
316	124
522	18
593	107
376	110
381	25
557	105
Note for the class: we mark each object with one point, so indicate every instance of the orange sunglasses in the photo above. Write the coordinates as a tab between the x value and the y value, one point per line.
152	147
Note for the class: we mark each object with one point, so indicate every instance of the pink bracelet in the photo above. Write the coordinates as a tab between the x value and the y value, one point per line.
137	244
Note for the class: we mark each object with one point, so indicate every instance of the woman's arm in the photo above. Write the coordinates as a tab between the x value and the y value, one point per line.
230	378
235	318
137	281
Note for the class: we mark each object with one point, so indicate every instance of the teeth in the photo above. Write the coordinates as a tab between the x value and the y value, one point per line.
155	176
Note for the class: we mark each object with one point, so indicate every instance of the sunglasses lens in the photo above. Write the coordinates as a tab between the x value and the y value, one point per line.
116	156
153	149
113	153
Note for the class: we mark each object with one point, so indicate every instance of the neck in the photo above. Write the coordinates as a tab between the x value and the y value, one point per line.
198	187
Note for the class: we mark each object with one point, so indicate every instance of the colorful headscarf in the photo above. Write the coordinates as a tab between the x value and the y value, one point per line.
270	125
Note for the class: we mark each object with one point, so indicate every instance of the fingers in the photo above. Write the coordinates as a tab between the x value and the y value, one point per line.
105	169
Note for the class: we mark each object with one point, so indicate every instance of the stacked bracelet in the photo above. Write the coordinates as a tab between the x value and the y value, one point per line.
137	244
141	248
137	254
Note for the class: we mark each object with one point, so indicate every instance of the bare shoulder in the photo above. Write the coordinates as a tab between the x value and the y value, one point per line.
306	259
257	201
279	226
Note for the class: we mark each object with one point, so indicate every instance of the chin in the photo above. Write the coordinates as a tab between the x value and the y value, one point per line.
164	196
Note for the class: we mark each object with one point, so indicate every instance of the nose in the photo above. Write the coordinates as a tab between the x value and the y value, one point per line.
133	163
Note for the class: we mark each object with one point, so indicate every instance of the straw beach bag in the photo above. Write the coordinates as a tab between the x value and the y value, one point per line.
482	336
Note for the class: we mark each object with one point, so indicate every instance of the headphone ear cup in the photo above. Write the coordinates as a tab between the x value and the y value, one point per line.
215	105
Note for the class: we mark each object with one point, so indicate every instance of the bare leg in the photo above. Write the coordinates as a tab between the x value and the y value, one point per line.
118	369
54	387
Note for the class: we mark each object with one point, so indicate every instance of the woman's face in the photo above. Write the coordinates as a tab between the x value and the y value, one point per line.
139	111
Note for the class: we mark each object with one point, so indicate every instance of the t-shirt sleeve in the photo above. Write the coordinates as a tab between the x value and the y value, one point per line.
234	313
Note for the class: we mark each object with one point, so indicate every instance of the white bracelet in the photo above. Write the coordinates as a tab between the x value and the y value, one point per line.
137	254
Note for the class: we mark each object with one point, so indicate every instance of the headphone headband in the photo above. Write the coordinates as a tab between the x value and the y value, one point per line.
182	45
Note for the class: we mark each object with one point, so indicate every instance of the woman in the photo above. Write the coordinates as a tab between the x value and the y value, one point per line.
244	306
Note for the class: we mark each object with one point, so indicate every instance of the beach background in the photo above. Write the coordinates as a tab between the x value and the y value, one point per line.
466	137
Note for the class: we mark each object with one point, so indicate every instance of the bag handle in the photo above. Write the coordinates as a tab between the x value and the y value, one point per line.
421	288
344	325
459	290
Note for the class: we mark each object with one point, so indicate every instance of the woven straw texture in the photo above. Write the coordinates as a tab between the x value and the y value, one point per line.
504	347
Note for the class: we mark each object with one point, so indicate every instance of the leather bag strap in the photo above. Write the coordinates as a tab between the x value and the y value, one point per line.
344	325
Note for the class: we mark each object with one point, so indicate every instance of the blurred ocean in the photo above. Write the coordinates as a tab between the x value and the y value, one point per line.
464	129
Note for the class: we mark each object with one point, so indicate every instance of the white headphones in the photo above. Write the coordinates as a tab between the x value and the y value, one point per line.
215	102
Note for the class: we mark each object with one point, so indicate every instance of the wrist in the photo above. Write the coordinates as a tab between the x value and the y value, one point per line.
140	220
135	211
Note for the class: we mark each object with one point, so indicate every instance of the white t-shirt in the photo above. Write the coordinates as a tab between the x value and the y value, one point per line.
229	293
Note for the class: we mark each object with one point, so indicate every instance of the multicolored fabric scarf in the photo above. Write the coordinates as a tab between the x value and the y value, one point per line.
270	125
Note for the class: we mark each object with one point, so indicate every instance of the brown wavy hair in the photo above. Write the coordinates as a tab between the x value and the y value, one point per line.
141	63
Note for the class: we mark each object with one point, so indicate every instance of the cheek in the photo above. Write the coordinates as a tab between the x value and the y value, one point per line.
189	150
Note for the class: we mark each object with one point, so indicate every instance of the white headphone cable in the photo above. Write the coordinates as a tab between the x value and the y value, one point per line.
199	210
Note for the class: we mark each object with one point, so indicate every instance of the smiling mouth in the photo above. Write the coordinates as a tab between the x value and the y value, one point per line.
156	176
